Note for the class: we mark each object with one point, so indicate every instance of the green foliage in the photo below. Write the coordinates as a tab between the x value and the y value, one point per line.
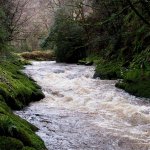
16	88
121	37
95	58
137	77
108	70
67	38
116	33
17	131
28	148
16	91
7	143
139	88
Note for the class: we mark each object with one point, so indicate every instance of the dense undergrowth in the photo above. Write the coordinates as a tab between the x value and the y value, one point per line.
134	78
16	91
115	33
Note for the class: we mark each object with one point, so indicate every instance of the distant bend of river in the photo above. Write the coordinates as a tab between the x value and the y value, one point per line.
81	113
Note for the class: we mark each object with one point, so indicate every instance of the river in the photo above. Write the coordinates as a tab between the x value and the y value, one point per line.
81	113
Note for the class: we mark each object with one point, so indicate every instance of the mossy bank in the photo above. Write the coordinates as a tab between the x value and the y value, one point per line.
135	76
134	81
17	91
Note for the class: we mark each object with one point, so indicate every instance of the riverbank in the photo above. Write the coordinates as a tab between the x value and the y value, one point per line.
79	112
134	77
16	92
45	55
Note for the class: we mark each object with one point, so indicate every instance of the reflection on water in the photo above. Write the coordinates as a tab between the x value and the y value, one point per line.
84	113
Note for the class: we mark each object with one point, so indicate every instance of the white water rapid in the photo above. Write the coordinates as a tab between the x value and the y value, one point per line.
81	113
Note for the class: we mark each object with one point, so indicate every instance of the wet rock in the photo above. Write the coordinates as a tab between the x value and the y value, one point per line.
86	63
96	75
56	93
89	63
37	95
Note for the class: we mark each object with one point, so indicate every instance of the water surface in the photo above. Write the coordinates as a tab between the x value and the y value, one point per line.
81	113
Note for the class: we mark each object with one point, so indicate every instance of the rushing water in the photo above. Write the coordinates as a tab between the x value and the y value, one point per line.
81	113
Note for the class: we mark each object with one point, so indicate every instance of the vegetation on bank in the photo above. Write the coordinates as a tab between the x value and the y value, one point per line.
16	91
39	55
134	79
66	38
115	33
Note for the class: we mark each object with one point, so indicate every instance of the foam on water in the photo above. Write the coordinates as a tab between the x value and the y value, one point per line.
79	112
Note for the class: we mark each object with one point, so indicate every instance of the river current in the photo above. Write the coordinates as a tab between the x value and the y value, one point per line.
81	113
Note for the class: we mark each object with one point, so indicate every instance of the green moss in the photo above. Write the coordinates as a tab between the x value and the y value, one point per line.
16	91
108	70
4	108
15	127
136	81
9	143
29	139
28	148
140	88
16	88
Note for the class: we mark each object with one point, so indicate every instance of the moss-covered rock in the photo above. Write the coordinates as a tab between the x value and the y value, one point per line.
9	143
16	91
28	148
135	75
84	62
15	127
139	88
